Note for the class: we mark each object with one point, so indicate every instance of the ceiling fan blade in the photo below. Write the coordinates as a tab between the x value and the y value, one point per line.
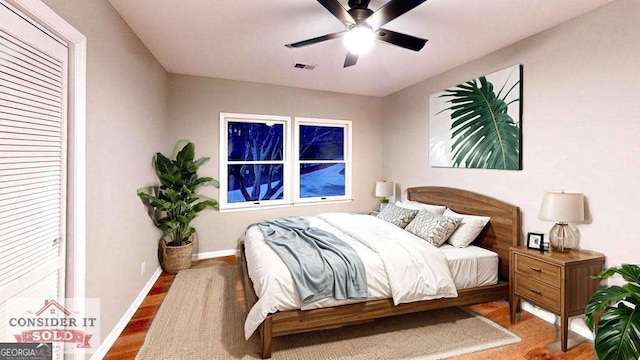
337	10
403	40
390	11
350	60
316	40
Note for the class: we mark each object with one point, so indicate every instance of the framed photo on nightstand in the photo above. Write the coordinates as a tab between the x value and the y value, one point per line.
536	241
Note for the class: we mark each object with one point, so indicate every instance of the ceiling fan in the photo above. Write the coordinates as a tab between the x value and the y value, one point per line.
363	26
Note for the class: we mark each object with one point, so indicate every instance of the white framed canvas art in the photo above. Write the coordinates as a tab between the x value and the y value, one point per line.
476	124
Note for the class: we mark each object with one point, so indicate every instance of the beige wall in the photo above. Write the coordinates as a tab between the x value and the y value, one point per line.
581	122
195	106
126	123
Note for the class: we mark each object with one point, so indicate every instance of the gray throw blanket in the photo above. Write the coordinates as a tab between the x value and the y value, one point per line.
320	263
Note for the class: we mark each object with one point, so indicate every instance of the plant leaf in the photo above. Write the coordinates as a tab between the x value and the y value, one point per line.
200	161
600	300
484	134
184	158
618	335
163	165
629	272
205	181
205	204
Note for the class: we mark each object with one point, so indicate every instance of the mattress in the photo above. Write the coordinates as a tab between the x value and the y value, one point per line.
472	266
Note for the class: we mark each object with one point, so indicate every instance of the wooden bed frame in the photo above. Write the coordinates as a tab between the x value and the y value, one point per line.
499	235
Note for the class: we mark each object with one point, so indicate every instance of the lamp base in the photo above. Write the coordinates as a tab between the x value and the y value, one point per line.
383	203
562	238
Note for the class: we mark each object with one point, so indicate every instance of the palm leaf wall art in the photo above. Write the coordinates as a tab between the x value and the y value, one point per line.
476	124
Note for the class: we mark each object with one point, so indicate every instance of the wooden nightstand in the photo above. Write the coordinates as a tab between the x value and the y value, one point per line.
557	282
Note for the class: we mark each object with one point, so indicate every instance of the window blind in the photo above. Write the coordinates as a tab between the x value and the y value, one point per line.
32	154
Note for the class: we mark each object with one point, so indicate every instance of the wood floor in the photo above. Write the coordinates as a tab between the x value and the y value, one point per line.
539	338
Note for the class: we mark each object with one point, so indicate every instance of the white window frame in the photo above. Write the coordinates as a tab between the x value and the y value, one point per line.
291	162
225	118
346	125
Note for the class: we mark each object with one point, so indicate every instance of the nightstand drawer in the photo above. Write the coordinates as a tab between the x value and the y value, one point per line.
540	292
538	270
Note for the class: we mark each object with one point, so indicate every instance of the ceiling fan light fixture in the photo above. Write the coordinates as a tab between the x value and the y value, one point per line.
359	40
360	22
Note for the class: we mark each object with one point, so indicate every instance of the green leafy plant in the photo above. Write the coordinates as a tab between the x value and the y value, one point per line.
175	199
613	315
484	134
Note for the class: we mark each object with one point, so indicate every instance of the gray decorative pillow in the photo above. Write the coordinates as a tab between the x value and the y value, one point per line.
434	228
396	215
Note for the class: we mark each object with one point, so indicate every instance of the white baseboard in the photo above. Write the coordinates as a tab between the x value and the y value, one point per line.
575	324
108	342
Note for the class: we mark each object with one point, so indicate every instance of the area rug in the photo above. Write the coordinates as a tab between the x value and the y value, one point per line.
201	319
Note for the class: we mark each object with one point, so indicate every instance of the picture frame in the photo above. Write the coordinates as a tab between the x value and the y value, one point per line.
463	133
535	241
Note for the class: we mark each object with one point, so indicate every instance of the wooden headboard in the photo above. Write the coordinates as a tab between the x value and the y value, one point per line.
502	231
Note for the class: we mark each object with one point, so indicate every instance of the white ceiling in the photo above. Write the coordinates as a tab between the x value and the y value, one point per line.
244	40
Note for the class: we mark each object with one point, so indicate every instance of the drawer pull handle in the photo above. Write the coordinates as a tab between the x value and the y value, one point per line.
535	269
535	291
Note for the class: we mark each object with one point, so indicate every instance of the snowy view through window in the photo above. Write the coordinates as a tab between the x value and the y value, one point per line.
256	161
321	161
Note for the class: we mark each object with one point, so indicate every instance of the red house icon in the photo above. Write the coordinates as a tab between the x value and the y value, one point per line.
52	305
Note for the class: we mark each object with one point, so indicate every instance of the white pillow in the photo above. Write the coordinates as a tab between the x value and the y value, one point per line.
414	205
468	230
433	228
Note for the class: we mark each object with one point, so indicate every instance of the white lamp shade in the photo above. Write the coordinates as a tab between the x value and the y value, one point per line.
384	188
562	207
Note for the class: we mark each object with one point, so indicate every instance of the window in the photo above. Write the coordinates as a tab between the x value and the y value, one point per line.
254	169
323	166
264	161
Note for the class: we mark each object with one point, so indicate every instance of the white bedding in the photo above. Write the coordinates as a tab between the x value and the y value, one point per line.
398	265
471	266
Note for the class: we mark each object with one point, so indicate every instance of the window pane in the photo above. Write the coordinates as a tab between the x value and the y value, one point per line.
254	141
321	143
321	180
255	182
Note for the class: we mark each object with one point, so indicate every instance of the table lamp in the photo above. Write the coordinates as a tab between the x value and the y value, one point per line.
563	208
384	189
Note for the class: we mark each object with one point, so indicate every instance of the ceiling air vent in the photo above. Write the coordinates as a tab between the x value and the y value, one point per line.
304	66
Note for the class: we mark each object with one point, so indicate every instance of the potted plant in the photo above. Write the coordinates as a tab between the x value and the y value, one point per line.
613	315
176	204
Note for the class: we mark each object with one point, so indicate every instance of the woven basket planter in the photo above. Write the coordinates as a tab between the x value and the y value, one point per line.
176	258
